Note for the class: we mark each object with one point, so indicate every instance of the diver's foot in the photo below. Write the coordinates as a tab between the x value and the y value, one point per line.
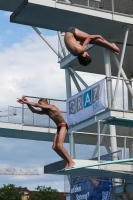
116	49
69	165
65	167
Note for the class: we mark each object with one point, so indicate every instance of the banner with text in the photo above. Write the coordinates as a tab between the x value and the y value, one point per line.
87	103
90	188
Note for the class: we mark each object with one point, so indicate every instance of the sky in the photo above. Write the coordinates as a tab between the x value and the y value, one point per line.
29	67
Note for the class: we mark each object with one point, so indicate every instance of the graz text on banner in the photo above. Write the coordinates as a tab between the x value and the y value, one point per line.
87	103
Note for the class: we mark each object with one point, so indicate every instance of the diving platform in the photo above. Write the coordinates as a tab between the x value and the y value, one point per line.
21	123
90	125
97	64
92	168
20	131
125	122
9	5
39	128
57	15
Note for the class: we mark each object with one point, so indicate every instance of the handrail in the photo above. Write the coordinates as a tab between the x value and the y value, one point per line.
119	136
26	117
113	6
44	97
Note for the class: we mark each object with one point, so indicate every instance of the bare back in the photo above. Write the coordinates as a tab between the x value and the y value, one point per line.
72	44
54	113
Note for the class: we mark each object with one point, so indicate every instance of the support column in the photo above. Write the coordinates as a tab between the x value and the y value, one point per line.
120	66
129	97
122	73
108	75
112	128
113	141
76	82
68	83
61	43
68	94
131	142
48	43
130	108
72	145
131	149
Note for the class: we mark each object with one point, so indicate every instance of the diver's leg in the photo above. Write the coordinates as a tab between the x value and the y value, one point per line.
105	44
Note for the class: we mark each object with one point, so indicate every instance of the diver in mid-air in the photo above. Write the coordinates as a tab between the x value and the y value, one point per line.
76	42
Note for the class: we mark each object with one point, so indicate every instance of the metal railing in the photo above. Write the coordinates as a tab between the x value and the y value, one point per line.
124	7
22	115
123	100
83	145
26	117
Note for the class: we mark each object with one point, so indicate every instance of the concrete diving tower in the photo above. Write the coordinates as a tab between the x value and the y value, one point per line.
116	25
109	20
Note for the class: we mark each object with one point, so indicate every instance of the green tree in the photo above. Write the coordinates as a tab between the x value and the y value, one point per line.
45	193
10	192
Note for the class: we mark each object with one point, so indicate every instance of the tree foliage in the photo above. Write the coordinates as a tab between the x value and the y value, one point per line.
10	192
45	193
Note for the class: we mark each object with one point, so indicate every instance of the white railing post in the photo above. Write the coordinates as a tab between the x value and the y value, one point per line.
113	6
99	141
49	120
8	113
125	148
72	149
22	113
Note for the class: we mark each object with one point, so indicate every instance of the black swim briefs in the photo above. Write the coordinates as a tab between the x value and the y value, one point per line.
71	30
62	125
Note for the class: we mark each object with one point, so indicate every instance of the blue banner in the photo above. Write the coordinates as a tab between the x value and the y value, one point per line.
90	188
